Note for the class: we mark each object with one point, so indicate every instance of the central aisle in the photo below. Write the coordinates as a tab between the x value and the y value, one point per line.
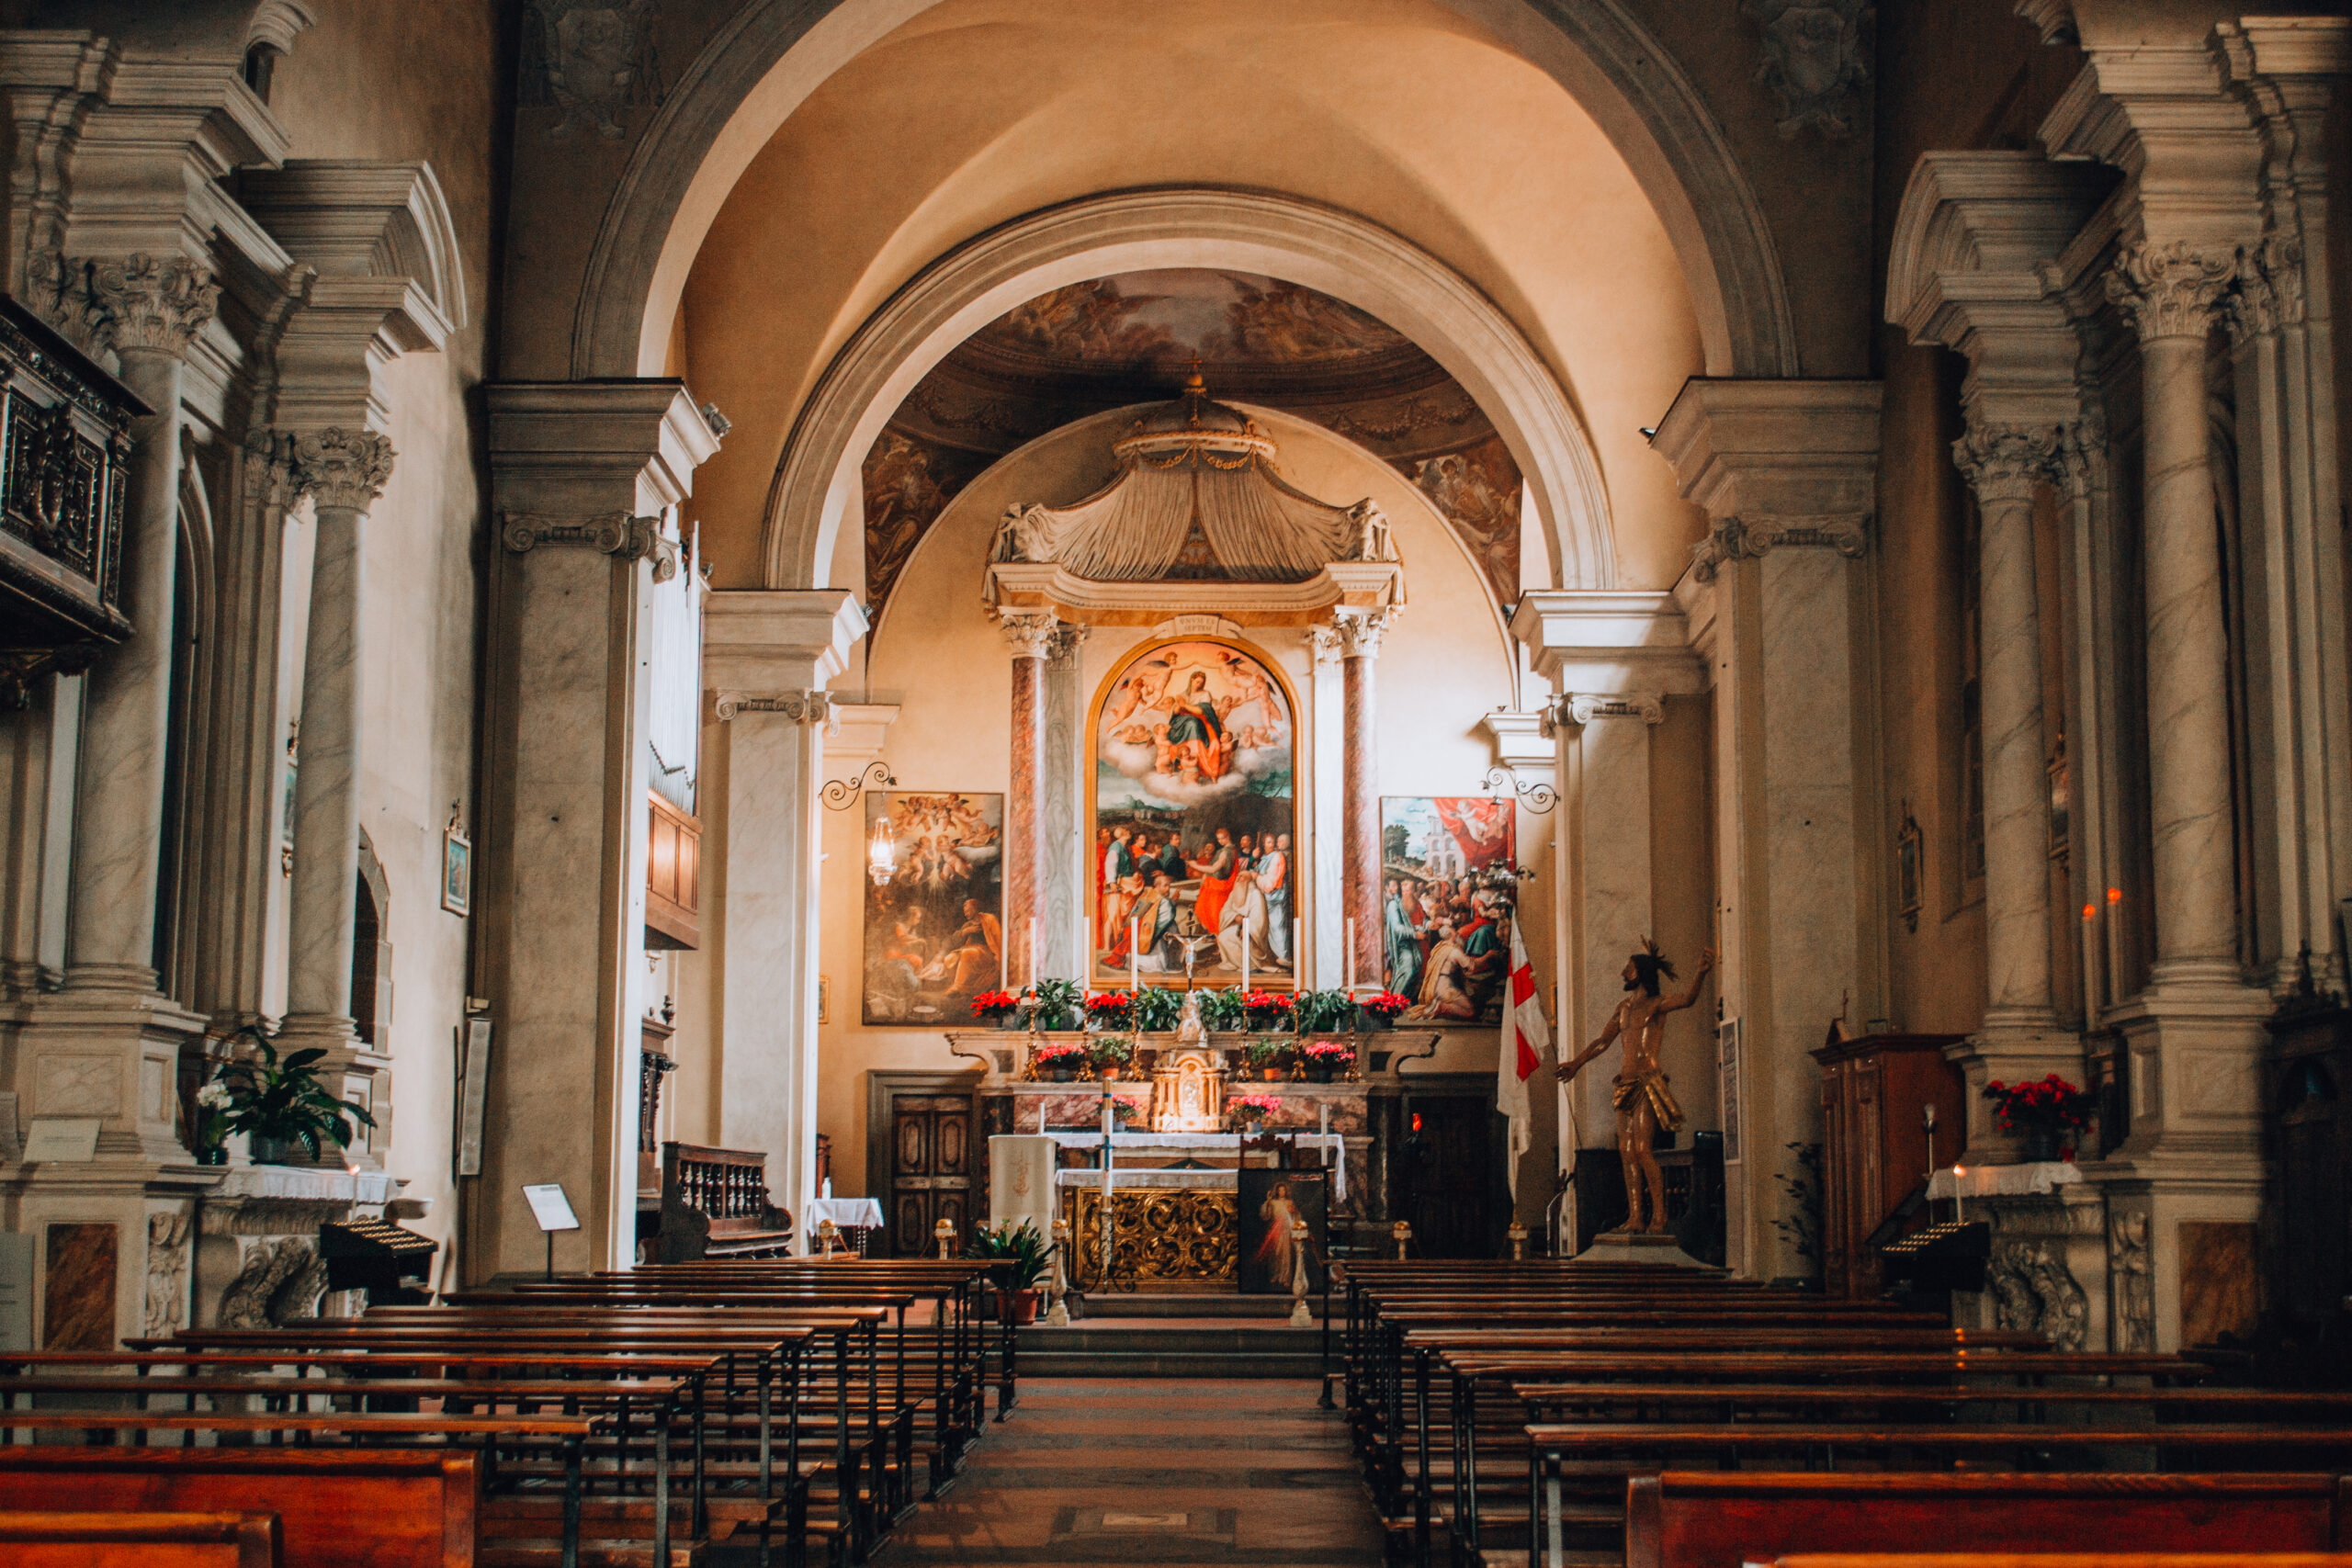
1161	1471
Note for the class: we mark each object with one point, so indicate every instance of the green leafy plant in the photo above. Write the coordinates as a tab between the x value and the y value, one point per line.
1263	1054
1056	1000
1225	1010
1324	1009
1800	1222
1111	1050
281	1100
1156	1009
1017	1254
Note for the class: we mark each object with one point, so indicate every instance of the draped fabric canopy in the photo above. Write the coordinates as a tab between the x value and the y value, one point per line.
1196	497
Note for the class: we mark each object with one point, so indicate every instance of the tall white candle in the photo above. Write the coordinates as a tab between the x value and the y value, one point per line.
1134	963
1032	949
1245	956
1351	966
1298	951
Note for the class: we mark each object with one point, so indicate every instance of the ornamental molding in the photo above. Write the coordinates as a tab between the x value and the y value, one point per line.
810	707
1069	638
2034	1291
2131	1278
1581	708
613	532
2269	293
1737	539
1814	59
1361	631
339	468
2170	290
2004	462
1323	644
1196	626
128	304
1031	634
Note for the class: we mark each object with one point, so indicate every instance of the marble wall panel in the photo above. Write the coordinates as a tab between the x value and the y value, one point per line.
78	1287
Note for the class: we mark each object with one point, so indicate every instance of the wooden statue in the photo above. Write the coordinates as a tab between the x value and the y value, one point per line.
1643	1100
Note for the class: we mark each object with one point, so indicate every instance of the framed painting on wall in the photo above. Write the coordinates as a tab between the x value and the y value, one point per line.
1448	891
1191	819
935	932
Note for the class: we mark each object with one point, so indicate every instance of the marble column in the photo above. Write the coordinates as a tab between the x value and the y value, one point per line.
150	310
1068	878
1360	636
1326	867
1031	636
2171	292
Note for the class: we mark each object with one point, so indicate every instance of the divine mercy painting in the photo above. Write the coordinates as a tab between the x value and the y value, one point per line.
1194	870
1446	904
935	932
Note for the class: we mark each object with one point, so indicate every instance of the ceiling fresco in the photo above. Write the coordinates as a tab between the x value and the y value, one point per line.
1132	338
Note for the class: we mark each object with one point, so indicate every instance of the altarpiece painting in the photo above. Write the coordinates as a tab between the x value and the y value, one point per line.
935	932
1192	830
1447	897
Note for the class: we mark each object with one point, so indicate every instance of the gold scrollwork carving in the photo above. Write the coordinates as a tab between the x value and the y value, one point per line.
1158	1234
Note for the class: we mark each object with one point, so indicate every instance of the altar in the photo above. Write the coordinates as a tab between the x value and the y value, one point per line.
1171	1224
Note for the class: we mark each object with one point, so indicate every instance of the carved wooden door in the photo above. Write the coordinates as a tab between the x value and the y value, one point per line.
1446	1174
931	1170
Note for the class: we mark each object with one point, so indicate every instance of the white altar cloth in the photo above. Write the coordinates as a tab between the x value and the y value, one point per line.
2002	1180
1332	1146
847	1213
1126	1179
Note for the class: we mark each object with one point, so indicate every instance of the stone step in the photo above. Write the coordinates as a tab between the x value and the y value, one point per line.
1192	1303
1143	1351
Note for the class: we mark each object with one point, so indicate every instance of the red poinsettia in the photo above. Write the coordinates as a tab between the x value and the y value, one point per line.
2047	1101
988	1002
1388	1004
1328	1052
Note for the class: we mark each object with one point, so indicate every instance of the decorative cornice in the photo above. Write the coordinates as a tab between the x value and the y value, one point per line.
615	533
1584	707
1361	631
1737	539
801	707
341	468
1031	634
2170	290
2004	462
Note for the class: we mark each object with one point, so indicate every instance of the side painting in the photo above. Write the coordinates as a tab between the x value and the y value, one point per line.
935	932
1192	823
1446	903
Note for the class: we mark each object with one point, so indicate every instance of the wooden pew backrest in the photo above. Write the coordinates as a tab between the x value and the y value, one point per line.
139	1540
1725	1520
375	1508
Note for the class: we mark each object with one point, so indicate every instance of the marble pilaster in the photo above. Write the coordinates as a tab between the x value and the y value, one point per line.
1031	638
581	473
767	656
343	471
1067	928
1326	937
1611	832
1360	636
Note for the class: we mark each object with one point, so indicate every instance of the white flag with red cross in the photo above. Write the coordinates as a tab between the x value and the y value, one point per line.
1525	1035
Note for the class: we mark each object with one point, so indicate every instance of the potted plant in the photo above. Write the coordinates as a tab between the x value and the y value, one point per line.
1056	1060
1268	1010
1016	1258
280	1105
1380	1012
1110	1054
212	1123
1223	1011
1109	1010
1129	1114
1321	1059
1266	1059
2045	1112
1058	1004
1253	1112
1324	1009
1001	1009
1155	1009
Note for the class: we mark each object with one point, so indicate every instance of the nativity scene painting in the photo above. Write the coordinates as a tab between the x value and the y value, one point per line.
934	931
1447	894
1193	856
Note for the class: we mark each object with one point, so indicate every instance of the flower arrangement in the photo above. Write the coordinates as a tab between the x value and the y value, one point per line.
1156	1008
274	1101
1111	1051
1055	1001
1265	1053
1253	1109
1385	1006
1267	1009
1128	1111
2048	1102
1056	1056
1225	1010
1323	1009
1109	1010
1327	1054
994	1004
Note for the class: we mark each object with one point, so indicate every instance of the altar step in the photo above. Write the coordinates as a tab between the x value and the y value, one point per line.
1105	1350
1222	1302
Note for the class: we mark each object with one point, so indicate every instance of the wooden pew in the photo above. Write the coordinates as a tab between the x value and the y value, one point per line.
1686	1520
336	1507
139	1540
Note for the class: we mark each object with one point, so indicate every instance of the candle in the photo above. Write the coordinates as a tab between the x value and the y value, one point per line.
1032	949
1003	962
1245	956
1297	948
1134	963
1352	954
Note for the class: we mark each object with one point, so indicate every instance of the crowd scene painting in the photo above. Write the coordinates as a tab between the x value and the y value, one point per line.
1193	866
1446	904
935	932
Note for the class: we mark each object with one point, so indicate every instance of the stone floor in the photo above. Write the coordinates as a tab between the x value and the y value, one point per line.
1166	1472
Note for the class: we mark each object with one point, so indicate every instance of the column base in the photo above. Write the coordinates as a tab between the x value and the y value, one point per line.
2012	1047
112	1245
110	1052
351	1070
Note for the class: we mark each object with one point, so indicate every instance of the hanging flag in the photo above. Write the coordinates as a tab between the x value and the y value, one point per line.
1524	1036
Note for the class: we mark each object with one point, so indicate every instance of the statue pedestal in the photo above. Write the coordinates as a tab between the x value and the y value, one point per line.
1617	1246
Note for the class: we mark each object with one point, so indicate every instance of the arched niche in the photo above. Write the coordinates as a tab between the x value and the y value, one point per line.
764	62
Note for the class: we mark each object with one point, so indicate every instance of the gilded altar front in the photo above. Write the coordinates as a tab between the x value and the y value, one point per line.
1159	1235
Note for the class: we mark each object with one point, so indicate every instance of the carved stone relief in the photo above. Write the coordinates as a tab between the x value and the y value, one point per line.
590	58
167	1261
2037	1292
281	1283
1814	58
2132	1282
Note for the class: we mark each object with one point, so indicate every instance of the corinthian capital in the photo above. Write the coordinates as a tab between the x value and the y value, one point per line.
1031	634
2004	462
1361	630
152	303
2171	290
342	468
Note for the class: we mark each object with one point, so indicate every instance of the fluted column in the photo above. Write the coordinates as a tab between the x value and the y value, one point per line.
343	472
1031	636
2171	292
2003	464
1360	636
148	310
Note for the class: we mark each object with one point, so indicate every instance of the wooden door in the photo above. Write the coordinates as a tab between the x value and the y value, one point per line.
1451	1160
931	1170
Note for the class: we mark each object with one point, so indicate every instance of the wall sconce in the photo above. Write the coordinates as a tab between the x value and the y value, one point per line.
881	852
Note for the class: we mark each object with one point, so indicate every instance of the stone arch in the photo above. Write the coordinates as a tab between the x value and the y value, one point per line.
816	482
762	64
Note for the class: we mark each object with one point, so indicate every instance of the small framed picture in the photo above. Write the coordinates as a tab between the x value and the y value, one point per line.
457	869
1908	893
